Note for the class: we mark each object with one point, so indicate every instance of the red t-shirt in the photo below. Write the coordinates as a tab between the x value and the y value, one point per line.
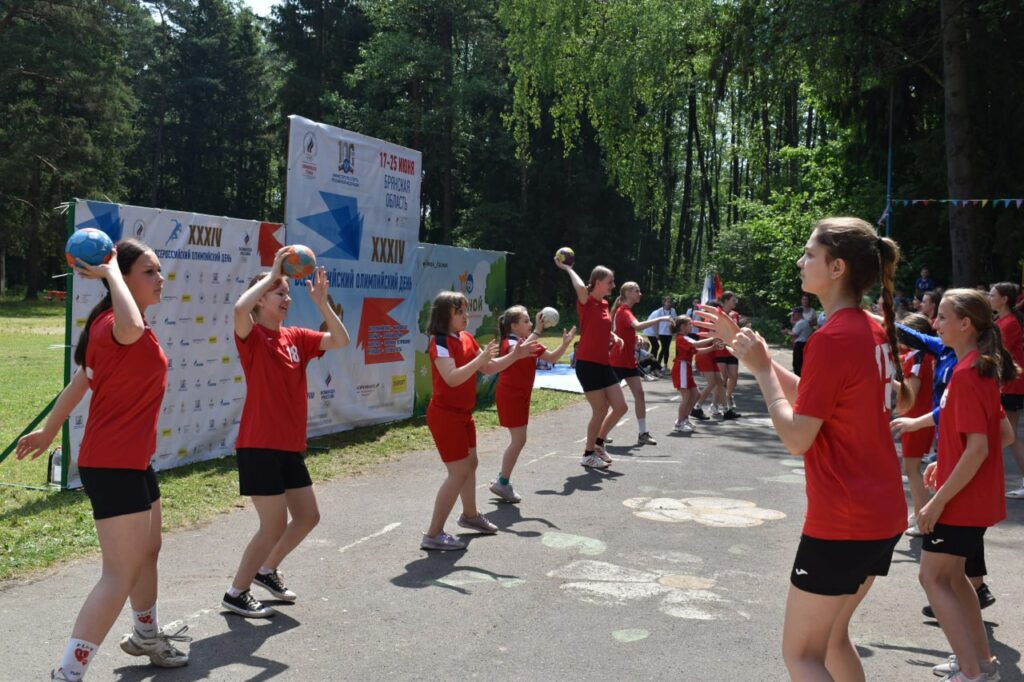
461	348
971	405
921	365
595	331
128	384
1013	343
685	350
274	363
724	353
854	484
520	374
626	355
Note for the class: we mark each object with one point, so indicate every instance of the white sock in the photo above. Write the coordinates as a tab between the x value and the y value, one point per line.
77	657
145	622
234	591
265	571
642	425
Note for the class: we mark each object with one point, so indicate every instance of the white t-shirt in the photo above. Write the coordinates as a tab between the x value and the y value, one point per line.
663	328
801	331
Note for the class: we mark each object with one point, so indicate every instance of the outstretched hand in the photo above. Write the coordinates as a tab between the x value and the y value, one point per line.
717	323
523	349
568	335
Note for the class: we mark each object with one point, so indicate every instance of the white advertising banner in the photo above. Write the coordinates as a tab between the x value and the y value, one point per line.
207	262
355	201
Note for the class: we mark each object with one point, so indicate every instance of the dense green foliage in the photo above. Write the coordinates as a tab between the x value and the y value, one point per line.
662	138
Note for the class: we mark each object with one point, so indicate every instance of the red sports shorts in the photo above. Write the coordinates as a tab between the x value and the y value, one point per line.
454	432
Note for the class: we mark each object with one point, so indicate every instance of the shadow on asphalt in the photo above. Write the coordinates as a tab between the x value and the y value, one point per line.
1009	658
589	481
429	570
506	515
237	646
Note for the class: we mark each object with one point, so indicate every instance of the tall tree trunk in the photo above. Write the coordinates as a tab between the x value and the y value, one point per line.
445	40
671	178
34	252
964	221
684	236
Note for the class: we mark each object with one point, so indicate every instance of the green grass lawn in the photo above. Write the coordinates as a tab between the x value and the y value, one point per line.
39	528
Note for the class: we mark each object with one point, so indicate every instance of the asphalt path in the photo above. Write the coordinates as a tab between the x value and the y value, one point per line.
672	564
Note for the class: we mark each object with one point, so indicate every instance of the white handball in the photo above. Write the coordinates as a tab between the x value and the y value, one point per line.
549	316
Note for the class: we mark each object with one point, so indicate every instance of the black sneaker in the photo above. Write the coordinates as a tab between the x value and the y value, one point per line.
273	584
985	596
731	414
246	605
985	600
698	413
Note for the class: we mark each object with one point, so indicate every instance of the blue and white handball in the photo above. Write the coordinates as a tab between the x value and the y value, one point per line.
88	245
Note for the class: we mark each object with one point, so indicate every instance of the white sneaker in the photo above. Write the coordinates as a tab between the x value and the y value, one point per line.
913	531
593	462
159	649
602	455
1017	494
951	669
685	426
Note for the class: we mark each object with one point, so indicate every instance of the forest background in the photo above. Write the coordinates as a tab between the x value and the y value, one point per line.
664	138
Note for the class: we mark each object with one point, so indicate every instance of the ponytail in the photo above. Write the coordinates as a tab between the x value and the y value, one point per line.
993	361
888	256
104	305
507	319
128	251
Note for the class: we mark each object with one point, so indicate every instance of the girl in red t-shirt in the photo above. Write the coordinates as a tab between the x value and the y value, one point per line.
728	365
515	386
682	370
455	359
1001	296
918	369
272	434
593	361
967	476
623	357
836	415
121	361
714	386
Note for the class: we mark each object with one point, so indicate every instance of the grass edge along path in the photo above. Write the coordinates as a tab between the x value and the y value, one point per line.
51	527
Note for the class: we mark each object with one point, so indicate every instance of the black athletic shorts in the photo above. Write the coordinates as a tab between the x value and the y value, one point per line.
839	567
965	541
623	373
1012	402
594	376
117	492
270	472
731	360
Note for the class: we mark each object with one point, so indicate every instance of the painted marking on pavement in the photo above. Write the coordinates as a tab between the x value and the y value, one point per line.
630	635
578	543
534	461
386	529
652	408
717	512
606	584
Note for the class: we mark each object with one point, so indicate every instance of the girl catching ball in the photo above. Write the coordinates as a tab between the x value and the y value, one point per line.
515	386
836	416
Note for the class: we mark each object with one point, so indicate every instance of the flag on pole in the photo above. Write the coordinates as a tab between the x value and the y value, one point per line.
712	288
